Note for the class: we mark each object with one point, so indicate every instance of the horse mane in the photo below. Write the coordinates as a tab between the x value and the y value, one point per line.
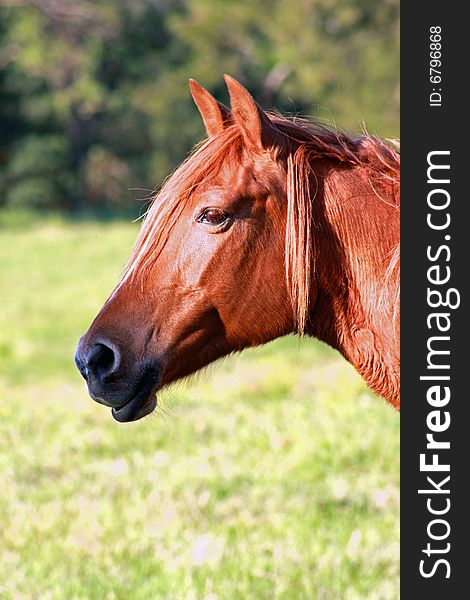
301	143
307	143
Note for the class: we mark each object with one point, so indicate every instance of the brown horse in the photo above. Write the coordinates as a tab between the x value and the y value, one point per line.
271	226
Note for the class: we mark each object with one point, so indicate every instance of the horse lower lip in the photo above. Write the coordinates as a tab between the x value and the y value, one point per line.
144	400
135	409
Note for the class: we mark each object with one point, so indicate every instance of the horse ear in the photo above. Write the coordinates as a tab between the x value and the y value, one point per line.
256	127
214	114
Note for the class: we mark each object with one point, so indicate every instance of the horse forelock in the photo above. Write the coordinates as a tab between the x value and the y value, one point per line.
168	203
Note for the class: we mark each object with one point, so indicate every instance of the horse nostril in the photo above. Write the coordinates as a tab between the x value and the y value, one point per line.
102	360
80	366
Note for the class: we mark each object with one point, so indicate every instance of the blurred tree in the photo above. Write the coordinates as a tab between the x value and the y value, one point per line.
338	54
72	68
94	98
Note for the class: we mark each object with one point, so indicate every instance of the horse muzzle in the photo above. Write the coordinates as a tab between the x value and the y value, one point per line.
130	396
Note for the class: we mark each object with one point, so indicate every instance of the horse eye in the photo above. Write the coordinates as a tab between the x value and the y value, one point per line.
213	216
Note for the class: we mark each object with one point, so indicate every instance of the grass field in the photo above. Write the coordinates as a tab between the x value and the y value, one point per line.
274	475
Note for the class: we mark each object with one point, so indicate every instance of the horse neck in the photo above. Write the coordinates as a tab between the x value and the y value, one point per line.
356	232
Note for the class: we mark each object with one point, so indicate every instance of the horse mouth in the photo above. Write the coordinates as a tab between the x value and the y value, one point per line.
142	403
138	407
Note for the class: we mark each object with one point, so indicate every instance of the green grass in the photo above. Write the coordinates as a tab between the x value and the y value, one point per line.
274	475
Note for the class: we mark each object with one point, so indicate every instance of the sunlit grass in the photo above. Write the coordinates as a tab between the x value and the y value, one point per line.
272	475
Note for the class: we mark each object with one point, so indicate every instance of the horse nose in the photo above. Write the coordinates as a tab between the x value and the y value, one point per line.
98	361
